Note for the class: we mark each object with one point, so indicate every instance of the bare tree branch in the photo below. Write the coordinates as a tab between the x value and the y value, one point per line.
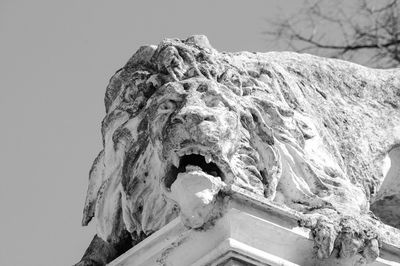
367	32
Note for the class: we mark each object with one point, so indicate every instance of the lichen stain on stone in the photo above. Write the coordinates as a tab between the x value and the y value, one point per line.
162	260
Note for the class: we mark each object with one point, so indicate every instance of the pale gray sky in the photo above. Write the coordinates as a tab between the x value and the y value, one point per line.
56	58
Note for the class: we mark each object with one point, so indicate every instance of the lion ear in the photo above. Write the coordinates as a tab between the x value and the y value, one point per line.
95	180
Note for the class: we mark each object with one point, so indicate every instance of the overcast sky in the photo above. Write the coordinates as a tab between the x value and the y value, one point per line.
56	58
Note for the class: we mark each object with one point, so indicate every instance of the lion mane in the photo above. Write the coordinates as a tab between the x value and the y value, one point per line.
268	129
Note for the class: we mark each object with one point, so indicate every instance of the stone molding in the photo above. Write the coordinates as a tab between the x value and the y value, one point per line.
251	232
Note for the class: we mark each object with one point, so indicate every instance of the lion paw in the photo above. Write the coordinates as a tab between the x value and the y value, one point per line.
348	235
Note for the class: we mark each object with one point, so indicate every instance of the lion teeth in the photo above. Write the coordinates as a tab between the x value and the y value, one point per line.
192	150
208	158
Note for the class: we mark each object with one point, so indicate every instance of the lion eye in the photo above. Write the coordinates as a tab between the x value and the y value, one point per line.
167	106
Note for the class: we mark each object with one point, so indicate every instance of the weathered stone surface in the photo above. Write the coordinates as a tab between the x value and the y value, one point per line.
386	203
195	193
309	134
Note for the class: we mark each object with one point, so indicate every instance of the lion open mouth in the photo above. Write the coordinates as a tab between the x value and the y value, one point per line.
192	162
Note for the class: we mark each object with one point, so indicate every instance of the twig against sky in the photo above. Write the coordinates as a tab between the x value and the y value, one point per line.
367	32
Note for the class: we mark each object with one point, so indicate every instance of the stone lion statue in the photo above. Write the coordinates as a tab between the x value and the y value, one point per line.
184	123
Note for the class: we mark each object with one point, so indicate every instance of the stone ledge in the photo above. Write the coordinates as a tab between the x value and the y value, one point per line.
248	234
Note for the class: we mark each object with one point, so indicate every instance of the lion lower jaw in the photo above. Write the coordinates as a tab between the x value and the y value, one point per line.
195	192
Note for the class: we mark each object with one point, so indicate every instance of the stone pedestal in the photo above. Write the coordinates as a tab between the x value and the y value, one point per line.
251	232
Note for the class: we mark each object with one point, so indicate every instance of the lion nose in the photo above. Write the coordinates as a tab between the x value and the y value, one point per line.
195	116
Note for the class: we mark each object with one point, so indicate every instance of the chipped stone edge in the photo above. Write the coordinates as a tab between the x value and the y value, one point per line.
175	232
388	237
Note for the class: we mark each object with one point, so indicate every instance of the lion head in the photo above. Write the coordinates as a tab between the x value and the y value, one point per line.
184	122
